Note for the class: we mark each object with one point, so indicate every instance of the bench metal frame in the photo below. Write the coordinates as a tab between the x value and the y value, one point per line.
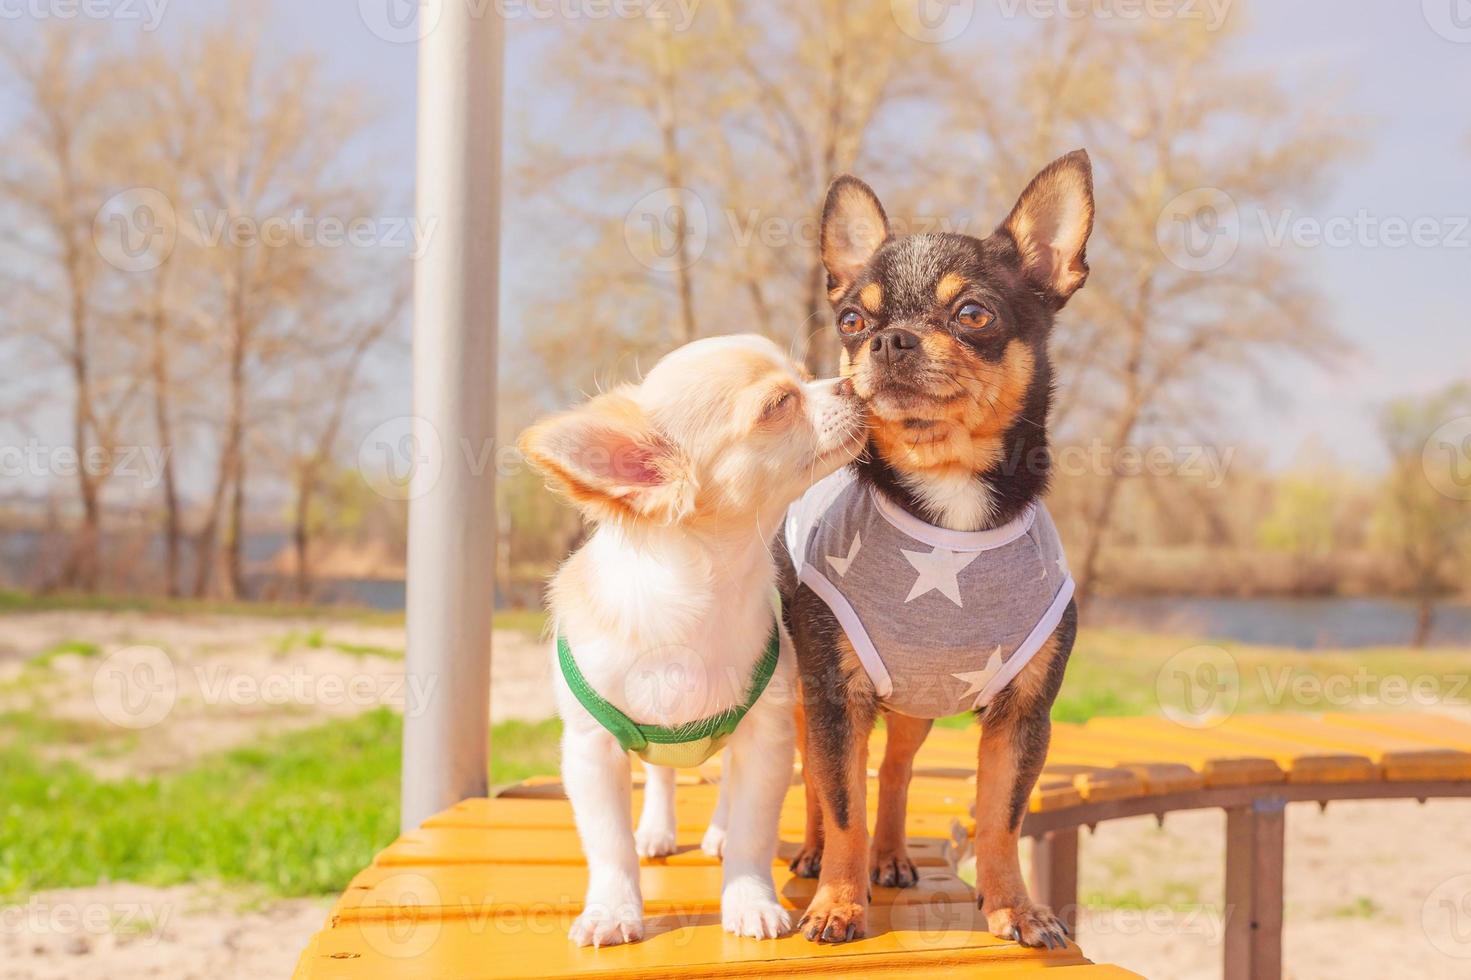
1255	834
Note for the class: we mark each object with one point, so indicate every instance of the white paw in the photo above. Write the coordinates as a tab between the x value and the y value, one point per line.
714	842
653	842
602	925
748	908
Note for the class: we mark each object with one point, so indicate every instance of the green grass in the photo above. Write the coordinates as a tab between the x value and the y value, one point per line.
368	650
1362	907
298	814
79	648
1123	673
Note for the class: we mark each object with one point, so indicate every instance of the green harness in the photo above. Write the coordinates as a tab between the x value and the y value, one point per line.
679	748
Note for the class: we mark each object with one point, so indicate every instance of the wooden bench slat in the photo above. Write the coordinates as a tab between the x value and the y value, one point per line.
1401	759
472	845
479	892
904	937
1302	762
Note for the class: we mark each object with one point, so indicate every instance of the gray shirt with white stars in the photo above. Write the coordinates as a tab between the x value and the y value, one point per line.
941	620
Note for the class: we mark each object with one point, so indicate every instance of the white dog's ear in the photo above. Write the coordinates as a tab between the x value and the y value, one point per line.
1051	224
609	459
853	227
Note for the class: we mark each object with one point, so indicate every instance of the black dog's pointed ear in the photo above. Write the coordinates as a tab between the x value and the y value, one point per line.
1051	224
853	227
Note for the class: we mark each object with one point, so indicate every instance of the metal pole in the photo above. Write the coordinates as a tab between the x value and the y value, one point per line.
451	564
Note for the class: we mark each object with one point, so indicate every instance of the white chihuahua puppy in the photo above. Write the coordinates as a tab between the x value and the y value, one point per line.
666	634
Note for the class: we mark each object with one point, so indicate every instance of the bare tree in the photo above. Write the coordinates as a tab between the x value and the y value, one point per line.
272	159
758	133
1424	520
319	410
1156	331
55	179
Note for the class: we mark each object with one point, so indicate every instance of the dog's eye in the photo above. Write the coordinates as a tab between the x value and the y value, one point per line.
778	406
974	316
851	322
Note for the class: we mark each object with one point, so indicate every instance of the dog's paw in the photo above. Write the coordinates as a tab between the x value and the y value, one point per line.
1028	924
603	925
830	921
807	863
713	843
654	841
893	870
749	908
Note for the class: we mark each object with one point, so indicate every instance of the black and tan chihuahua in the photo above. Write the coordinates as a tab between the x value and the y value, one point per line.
945	338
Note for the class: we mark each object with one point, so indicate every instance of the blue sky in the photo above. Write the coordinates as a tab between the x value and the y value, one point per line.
1404	310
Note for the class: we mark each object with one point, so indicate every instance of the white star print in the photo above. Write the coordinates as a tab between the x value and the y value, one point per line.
978	679
938	572
841	565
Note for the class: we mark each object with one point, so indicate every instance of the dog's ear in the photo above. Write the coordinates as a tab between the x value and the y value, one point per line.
609	459
853	227
1050	226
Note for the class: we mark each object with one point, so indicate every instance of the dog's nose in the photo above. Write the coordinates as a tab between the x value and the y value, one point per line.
893	344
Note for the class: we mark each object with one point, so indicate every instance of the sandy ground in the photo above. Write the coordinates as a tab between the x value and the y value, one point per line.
1373	889
181	687
122	932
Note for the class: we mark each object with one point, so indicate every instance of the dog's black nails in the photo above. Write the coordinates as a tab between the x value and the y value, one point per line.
852	931
1015	935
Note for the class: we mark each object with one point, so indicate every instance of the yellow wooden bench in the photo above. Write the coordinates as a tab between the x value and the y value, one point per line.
488	888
